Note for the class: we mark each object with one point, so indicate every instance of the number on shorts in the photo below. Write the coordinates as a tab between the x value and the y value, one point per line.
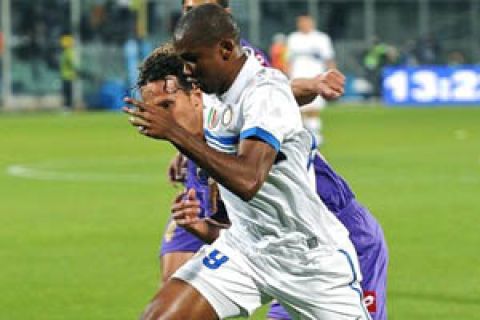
214	260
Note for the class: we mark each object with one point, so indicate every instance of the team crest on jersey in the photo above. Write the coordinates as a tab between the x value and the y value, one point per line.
213	118
227	116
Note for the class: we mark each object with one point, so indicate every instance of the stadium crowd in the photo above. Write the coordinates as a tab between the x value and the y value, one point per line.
110	26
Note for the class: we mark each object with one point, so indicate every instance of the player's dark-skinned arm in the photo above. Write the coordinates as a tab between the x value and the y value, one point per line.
243	174
330	85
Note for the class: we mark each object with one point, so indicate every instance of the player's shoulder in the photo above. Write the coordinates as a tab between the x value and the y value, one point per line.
294	34
271	78
320	34
269	74
294	37
263	75
269	88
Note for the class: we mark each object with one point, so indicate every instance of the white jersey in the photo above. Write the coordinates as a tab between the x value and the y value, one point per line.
283	243
286	212
308	53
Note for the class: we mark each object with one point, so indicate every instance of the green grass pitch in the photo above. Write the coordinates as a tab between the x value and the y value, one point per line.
84	200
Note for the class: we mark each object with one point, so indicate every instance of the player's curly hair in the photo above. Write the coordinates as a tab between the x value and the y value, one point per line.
163	62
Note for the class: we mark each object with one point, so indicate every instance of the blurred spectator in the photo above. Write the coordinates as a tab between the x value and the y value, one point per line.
407	54
310	52
68	69
456	58
110	22
92	22
278	52
375	59
428	50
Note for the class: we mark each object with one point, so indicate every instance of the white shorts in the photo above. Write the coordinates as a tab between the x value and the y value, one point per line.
324	284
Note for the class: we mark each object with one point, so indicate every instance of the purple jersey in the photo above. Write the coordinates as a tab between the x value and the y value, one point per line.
365	233
176	238
197	179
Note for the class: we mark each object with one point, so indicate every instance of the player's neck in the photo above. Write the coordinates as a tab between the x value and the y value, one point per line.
237	66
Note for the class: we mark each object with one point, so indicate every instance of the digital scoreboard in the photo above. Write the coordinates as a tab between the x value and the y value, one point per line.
430	86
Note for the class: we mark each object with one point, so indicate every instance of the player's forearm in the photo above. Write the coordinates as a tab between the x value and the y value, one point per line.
304	90
330	85
232	171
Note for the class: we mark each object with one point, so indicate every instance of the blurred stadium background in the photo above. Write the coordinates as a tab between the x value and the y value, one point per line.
84	199
111	34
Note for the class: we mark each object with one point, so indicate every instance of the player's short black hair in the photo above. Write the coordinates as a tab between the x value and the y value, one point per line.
163	62
223	3
207	25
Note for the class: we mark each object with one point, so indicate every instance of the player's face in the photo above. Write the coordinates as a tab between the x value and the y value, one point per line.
305	24
189	4
205	65
186	108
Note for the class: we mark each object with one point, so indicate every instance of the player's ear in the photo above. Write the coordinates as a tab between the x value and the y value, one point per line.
226	48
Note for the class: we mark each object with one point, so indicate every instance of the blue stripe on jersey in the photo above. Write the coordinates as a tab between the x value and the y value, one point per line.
350	262
225	140
262	135
314	142
215	144
312	150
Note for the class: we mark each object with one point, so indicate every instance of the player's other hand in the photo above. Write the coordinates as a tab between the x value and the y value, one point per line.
330	84
186	209
177	169
151	121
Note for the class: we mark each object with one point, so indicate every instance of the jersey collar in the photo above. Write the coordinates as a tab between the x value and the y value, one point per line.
246	74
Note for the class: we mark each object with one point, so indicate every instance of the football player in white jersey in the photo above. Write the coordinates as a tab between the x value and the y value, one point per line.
178	245
310	52
283	242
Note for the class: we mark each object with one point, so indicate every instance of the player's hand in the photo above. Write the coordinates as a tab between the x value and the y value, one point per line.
330	84
177	170
151	121
186	209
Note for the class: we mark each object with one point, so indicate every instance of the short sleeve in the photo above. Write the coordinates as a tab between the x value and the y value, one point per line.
327	48
270	114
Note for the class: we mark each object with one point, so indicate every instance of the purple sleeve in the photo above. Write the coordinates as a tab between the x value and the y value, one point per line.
198	180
